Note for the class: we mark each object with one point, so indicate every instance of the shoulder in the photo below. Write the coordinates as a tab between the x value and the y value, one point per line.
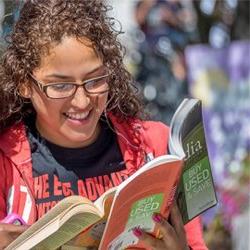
150	136
156	136
14	143
11	136
152	128
155	128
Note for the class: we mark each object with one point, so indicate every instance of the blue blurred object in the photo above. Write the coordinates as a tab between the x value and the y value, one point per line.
161	69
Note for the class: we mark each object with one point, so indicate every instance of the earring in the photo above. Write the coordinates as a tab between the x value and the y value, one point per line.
24	91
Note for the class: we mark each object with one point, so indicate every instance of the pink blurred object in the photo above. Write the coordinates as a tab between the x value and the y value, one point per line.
13	219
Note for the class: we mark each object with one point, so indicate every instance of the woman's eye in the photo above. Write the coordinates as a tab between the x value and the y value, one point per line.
62	87
91	83
95	83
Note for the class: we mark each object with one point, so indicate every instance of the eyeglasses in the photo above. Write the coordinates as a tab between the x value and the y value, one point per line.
60	90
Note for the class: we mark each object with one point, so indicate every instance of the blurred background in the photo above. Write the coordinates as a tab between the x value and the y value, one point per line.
197	48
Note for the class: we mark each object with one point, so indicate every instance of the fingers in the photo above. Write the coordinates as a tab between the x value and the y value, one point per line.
176	221
149	240
169	235
9	232
173	235
12	228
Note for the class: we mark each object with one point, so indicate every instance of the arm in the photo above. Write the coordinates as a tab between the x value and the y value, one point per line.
3	176
194	234
8	232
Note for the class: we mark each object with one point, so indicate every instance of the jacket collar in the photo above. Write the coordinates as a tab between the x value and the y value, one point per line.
15	145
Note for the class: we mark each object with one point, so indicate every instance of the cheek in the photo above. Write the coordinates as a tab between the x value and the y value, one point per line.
45	107
100	102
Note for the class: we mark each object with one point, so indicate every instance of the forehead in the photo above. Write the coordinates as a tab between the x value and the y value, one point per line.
71	57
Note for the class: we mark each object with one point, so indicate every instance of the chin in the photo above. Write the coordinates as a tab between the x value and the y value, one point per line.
79	139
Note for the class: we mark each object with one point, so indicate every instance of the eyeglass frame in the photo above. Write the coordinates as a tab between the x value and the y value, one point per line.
43	87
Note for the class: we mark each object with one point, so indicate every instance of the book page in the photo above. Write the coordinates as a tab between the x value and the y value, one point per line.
136	201
91	237
53	220
68	230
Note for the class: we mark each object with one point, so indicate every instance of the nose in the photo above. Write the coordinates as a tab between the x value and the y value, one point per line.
80	99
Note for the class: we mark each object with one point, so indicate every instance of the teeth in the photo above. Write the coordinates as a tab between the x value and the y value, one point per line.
78	116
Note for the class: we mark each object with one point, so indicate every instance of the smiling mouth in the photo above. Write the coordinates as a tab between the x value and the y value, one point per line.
77	116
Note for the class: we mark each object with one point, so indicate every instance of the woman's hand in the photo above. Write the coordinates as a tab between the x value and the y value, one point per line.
8	233
174	236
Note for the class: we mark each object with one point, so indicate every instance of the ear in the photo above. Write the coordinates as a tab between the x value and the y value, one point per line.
24	90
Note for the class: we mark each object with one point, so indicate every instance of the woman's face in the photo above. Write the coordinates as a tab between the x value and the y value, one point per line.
72	121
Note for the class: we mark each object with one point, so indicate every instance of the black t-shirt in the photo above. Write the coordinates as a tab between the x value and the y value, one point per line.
59	172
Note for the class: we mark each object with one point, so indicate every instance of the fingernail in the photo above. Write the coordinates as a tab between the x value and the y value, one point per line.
156	218
137	232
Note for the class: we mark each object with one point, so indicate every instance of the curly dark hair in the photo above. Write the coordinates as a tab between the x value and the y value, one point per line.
43	23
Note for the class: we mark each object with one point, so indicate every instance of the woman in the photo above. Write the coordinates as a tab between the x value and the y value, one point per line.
69	114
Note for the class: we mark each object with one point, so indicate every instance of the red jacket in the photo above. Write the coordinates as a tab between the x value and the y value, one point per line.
137	140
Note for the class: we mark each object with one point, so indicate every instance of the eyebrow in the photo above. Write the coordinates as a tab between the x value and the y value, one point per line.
56	75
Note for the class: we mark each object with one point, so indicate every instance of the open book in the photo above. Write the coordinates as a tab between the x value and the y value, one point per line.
76	223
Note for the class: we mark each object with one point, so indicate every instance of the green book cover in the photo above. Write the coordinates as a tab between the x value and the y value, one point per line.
196	191
197	185
142	211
